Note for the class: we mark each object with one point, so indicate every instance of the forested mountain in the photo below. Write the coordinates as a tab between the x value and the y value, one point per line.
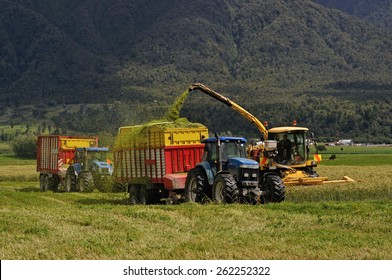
281	59
378	12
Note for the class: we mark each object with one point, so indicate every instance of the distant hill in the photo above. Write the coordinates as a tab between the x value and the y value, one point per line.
262	52
378	12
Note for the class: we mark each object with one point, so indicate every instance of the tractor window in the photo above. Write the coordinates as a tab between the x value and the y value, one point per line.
209	152
233	149
96	156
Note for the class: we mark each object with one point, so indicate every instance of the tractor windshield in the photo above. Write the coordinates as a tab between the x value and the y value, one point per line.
232	149
96	156
291	146
229	149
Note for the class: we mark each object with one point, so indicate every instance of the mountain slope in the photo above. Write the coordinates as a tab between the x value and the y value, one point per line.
75	51
378	12
280	59
41	62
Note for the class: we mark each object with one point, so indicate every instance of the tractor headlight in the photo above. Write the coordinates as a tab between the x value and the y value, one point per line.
246	175
254	175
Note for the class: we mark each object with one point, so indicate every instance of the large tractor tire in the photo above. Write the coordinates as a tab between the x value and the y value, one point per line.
273	188
196	186
70	180
225	189
85	182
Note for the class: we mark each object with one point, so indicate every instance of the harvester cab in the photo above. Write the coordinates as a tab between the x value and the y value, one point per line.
90	165
224	174
293	155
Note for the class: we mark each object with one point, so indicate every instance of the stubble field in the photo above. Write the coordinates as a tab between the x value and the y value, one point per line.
339	221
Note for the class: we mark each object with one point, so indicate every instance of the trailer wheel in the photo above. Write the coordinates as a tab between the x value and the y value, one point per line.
273	188
146	195
85	181
70	180
134	194
194	186
225	189
43	182
54	183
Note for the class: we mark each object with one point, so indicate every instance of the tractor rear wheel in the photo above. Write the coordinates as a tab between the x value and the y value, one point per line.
85	181
196	186
273	188
225	189
70	180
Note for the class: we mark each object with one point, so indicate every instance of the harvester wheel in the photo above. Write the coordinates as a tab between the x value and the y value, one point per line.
273	188
70	180
134	194
195	186
225	189
85	181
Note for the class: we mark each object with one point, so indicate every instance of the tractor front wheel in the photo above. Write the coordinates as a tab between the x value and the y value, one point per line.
70	180
273	189
225	189
196	186
85	181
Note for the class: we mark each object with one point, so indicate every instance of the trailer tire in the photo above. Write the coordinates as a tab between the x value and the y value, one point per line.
146	195
43	182
54	183
134	194
195	186
85	181
70	180
273	188
225	189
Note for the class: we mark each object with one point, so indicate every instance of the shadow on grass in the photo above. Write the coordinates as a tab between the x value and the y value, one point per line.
28	189
103	201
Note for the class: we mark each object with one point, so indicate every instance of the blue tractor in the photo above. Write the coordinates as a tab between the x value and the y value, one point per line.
89	170
224	175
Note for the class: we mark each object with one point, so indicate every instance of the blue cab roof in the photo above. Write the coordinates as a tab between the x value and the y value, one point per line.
94	149
225	139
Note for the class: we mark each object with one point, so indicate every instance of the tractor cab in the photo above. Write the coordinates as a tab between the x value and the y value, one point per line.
94	159
229	154
224	174
228	147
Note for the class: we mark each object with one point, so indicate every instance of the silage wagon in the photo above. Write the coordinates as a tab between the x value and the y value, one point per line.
153	160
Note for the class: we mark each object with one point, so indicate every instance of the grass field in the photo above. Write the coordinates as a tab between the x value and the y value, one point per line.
342	221
358	155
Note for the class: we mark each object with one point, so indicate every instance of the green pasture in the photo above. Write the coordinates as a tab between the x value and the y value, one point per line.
337	221
357	155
